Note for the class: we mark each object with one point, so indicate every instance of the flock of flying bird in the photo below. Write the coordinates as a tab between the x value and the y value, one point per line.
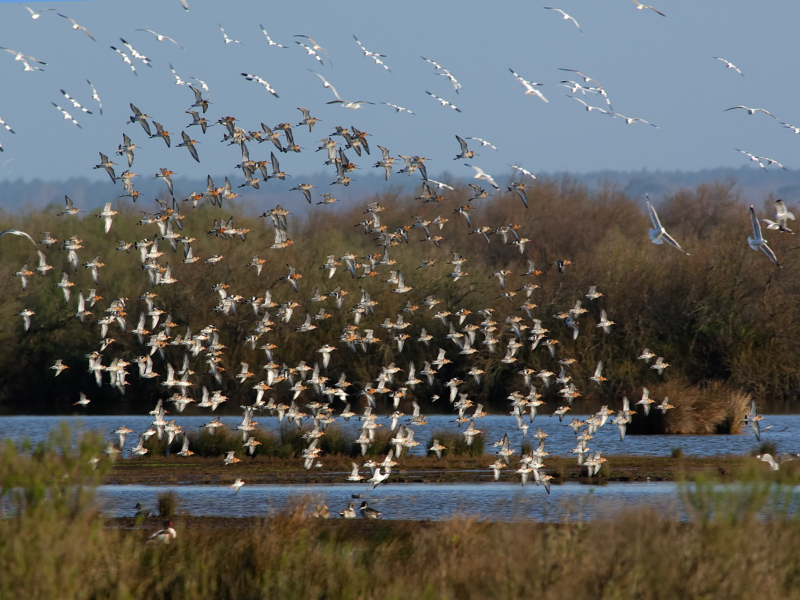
310	393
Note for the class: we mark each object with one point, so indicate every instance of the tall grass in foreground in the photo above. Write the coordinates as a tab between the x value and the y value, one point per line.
741	542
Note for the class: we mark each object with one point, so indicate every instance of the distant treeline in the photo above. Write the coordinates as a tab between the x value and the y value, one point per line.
722	314
751	182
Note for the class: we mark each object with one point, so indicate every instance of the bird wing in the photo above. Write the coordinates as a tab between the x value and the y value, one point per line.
654	216
756	225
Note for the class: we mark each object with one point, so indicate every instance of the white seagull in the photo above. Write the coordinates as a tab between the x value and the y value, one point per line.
18	232
480	174
589	108
269	39
161	38
781	215
530	89
730	65
126	59
263	82
398	108
659	235
36	14
225	35
566	16
442	101
66	115
751	111
483	142
373	55
757	241
95	96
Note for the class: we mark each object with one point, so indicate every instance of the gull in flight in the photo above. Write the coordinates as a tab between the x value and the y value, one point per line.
770	162
95	96
312	50
443	102
75	103
225	35
530	89
730	65
17	232
781	216
36	14
22	57
590	108
659	235
640	6
373	55
757	241
480	174
263	82
586	79
202	83
483	142
4	124
794	128
630	120
398	108
76	26
751	111
326	83
444	73
345	104
126	59
269	39
178	80
66	114
136	54
161	38
352	105
566	16
523	171
752	157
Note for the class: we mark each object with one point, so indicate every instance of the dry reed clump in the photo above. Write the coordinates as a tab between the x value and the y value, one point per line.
167	503
713	408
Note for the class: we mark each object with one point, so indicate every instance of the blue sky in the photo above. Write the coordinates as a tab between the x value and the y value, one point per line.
659	69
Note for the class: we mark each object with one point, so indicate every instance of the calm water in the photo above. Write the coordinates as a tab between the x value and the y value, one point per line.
499	501
496	501
784	433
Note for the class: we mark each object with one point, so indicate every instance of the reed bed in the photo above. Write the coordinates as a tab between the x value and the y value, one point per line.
715	408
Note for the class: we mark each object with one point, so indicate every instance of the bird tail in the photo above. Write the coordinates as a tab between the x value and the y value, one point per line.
655	237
